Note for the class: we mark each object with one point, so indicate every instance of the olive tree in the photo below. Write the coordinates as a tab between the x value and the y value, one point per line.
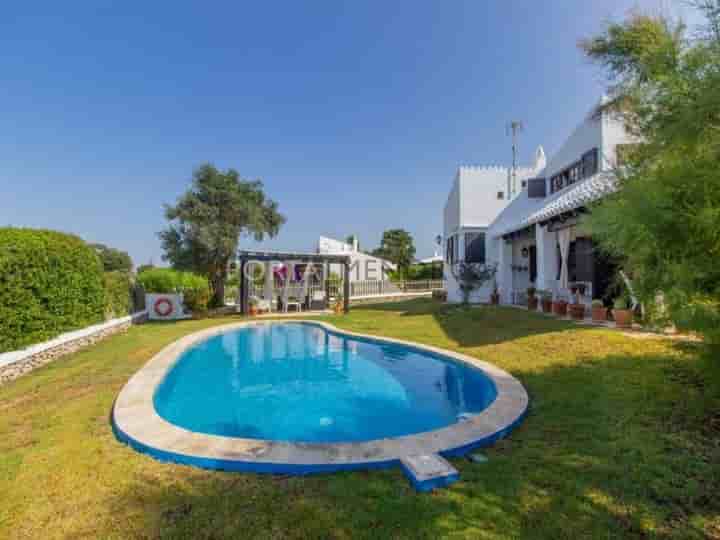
208	220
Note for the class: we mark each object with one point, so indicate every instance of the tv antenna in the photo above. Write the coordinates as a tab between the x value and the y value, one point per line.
514	128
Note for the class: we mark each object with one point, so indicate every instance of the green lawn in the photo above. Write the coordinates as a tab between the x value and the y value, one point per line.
622	440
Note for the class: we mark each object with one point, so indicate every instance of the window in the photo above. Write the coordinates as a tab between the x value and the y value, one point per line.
556	183
524	184
585	168
475	247
500	195
590	163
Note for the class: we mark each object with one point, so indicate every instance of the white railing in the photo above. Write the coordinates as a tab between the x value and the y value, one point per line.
334	288
423	285
373	288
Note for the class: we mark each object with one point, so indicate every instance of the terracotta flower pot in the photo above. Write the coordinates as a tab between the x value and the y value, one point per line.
532	303
560	308
577	311
547	305
623	318
599	314
494	299
253	311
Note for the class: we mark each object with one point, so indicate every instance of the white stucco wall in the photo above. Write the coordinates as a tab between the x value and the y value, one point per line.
479	186
613	133
364	267
586	136
451	213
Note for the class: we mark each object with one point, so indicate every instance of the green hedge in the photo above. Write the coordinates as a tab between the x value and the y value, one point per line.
50	283
118	286
195	288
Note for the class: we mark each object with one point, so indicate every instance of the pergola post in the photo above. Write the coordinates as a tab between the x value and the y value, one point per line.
346	287
244	288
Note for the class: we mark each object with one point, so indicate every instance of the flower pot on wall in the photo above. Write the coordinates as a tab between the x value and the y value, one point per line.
559	307
547	305
577	311
623	318
532	303
599	314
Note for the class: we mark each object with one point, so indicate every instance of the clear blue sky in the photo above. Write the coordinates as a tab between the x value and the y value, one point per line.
355	114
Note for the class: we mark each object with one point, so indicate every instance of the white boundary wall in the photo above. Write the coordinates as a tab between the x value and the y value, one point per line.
11	357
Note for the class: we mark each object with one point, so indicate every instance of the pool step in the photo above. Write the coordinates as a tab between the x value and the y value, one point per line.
428	471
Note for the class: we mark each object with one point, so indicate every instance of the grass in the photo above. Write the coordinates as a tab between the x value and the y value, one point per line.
622	441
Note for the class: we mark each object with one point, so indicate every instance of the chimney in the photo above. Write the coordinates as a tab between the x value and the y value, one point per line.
355	243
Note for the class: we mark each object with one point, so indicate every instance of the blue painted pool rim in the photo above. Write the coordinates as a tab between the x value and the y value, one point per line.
136	423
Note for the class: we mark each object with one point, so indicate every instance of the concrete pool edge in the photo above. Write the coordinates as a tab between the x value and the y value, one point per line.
136	423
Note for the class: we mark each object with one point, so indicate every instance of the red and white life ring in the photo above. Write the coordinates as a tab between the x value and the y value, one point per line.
163	307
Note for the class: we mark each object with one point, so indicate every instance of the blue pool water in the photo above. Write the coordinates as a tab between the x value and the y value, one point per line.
298	382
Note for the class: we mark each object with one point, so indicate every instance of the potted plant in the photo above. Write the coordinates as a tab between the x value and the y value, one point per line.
495	295
339	306
599	311
532	301
559	307
253	305
622	313
546	301
577	311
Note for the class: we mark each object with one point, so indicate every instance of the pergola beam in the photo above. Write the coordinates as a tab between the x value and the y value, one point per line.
278	256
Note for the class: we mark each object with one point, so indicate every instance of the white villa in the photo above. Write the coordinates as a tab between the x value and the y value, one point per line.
534	235
363	267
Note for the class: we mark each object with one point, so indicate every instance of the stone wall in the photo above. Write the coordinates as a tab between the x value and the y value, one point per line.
28	363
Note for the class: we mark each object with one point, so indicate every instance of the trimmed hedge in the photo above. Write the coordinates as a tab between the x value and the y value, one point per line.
194	288
50	283
118	288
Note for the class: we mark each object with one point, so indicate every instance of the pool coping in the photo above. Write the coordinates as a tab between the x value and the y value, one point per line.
136	422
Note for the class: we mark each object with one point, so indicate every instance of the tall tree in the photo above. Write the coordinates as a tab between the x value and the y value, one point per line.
351	239
397	247
664	221
113	260
208	220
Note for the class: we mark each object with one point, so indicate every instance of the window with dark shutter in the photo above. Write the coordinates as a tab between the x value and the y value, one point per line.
590	163
475	247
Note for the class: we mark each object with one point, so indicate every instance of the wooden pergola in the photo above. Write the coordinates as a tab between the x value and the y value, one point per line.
246	256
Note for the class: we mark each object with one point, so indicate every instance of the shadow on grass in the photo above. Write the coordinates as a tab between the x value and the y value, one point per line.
614	447
473	326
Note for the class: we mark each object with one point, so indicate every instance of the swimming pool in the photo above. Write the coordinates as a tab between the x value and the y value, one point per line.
304	397
303	383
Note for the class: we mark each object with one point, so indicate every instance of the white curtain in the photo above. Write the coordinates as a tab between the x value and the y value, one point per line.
563	237
289	269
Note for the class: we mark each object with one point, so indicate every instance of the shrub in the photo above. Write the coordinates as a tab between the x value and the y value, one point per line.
160	280
194	288
196	292
50	283
118	288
